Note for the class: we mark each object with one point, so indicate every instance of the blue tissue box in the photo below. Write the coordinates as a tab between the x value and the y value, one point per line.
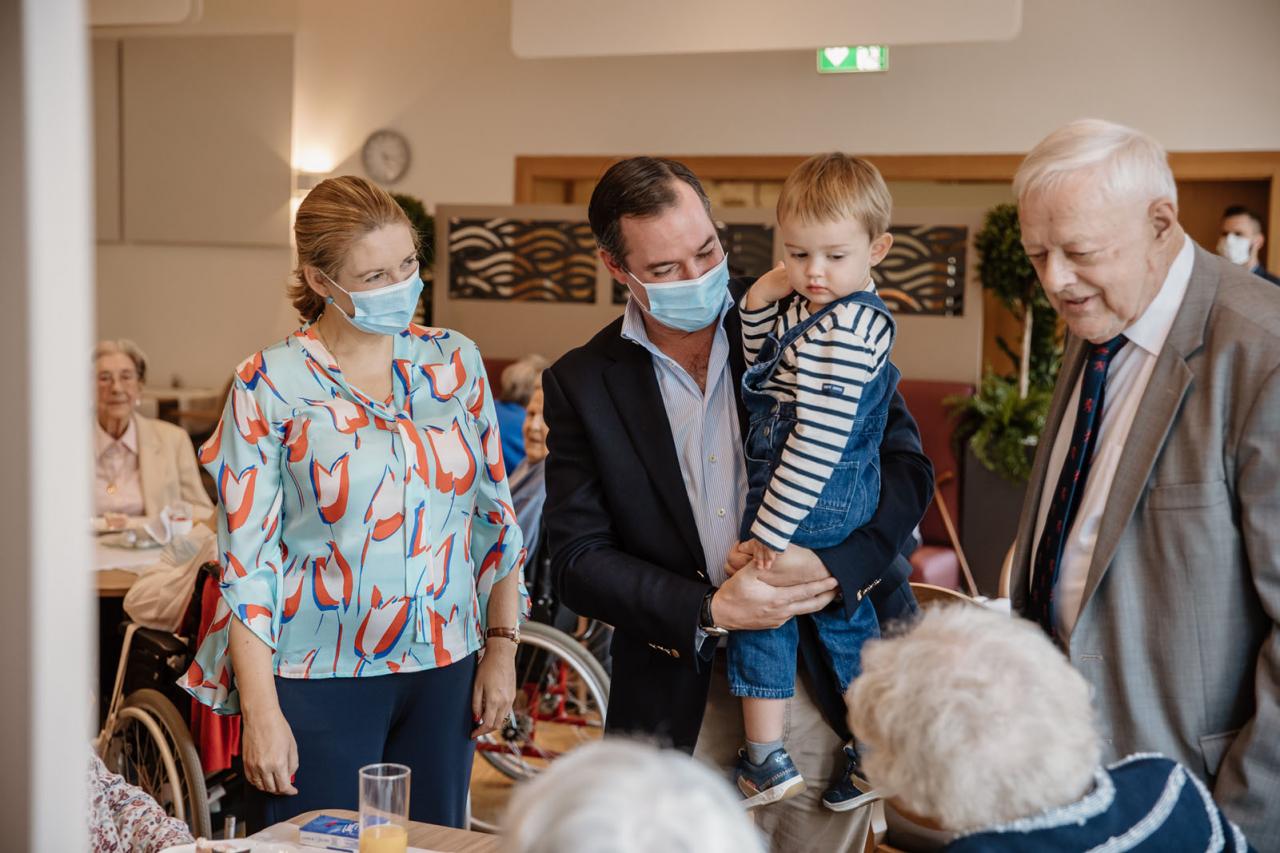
331	833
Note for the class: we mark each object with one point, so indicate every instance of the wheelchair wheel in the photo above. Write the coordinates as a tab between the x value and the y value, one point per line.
562	693
152	748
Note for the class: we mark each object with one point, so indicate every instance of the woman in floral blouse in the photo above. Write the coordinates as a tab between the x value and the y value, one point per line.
369	548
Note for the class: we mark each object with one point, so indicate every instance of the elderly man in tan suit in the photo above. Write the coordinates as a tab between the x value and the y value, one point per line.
1149	544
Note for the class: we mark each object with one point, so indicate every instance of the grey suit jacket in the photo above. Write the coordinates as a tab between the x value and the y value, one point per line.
1177	631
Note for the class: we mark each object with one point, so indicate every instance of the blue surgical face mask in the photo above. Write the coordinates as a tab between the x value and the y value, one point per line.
689	305
386	311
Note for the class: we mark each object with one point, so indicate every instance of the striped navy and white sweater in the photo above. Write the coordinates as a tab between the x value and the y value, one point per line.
848	347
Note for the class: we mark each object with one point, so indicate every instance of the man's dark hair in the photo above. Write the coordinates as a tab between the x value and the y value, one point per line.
637	186
1241	210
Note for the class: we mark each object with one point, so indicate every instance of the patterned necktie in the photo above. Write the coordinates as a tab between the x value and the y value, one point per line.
1071	482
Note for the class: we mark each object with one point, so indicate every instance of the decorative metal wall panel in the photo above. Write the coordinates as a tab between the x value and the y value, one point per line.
519	260
924	271
750	250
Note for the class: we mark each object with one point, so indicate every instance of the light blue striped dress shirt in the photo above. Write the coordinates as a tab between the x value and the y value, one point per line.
708	439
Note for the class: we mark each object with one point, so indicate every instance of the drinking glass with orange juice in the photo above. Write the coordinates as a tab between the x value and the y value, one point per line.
384	808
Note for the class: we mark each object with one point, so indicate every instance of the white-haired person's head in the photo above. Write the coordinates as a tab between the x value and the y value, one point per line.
521	377
1128	163
618	796
121	369
1098	208
972	718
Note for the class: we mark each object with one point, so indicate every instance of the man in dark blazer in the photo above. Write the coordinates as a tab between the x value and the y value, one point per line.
1162	579
645	489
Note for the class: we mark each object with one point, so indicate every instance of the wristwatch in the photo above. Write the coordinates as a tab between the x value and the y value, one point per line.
512	634
705	620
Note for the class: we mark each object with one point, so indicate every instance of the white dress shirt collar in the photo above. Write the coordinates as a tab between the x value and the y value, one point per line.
706	436
1151	329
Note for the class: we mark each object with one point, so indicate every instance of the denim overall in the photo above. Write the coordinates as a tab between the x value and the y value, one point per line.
762	663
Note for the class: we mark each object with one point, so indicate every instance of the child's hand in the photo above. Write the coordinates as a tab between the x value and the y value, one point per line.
769	288
761	553
740	556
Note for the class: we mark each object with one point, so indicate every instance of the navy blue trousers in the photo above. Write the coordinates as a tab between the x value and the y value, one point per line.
421	719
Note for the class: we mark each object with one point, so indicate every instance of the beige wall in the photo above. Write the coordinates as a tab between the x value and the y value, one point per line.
195	311
198	310
206	133
442	72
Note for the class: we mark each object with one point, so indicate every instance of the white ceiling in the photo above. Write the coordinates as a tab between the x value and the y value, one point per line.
564	28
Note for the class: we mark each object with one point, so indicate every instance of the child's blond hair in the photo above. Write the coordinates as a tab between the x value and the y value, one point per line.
829	187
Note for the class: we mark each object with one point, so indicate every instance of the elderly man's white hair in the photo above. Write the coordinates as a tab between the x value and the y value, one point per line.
617	796
1129	163
973	718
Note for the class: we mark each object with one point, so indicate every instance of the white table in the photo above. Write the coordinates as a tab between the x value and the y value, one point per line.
118	568
130	559
422	836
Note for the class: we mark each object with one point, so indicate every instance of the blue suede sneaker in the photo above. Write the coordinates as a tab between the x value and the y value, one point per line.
773	780
852	791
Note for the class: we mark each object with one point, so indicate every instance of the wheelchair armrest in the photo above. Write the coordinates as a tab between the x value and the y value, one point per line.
164	643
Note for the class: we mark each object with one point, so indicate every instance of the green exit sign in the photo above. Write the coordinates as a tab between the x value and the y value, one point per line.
854	58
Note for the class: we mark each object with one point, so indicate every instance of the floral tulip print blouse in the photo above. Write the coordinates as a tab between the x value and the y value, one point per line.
357	537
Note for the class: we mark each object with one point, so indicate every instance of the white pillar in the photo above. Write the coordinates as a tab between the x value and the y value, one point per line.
46	275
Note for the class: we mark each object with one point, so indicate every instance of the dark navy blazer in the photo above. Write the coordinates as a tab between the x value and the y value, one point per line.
625	547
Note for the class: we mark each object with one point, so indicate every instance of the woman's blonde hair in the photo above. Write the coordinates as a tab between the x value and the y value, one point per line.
333	216
829	187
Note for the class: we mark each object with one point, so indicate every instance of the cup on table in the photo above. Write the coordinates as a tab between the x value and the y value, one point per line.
179	519
384	808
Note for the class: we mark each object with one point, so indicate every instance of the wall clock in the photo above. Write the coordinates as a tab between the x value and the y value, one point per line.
385	156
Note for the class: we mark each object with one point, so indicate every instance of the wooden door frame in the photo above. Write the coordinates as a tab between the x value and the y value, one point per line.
1186	165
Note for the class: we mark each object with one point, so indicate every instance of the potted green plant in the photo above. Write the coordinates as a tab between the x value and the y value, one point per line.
1009	409
1000	427
425	224
997	428
1006	271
